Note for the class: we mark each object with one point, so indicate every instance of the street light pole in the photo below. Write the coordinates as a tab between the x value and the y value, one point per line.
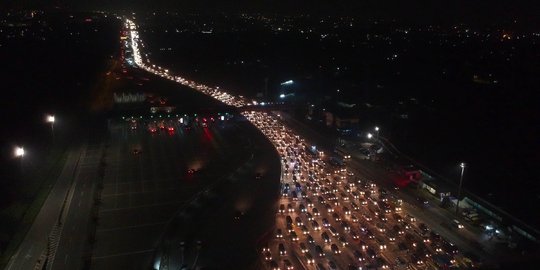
377	130
19	153
462	165
50	119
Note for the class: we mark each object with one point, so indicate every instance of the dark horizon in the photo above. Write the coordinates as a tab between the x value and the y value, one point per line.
419	11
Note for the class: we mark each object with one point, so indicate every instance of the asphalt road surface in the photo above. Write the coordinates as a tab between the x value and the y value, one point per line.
34	246
73	240
144	190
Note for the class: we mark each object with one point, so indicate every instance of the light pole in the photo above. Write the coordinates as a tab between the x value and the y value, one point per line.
377	130
462	165
50	119
19	153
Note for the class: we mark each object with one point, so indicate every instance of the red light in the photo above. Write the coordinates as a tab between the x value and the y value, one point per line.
204	119
171	129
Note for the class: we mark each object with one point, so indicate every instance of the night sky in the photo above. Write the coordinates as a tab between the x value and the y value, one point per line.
415	10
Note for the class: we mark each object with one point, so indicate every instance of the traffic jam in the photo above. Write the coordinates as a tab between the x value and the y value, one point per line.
328	217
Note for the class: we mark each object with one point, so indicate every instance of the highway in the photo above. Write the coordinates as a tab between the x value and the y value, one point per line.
74	233
360	220
33	249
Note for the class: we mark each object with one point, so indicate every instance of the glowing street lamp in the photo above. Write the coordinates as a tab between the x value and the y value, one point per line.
369	135
19	152
377	130
462	165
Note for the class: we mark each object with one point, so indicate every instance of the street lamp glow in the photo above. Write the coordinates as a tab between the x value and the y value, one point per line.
19	152
50	118
287	82
369	135
282	96
376	128
462	165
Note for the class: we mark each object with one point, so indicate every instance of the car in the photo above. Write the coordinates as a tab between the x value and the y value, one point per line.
336	217
309	216
363	228
335	249
310	239
329	208
298	221
343	241
303	248
274	265
398	230
358	256
457	224
333	231
367	217
325	237
282	251
267	256
319	251
354	219
325	222
293	236
309	259
354	235
289	228
290	208
302	208
346	211
381	243
315	225
345	226
316	212
369	234
289	220
288	264
279	234
136	151
304	229
281	209
423	228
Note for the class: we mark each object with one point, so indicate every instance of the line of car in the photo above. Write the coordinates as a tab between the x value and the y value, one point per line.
335	220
